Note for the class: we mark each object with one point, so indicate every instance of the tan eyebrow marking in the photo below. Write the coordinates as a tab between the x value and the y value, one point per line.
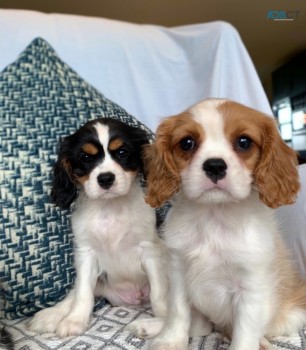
115	144
89	148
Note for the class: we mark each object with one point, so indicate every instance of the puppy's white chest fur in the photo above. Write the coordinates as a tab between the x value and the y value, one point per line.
112	219
113	230
107	224
220	250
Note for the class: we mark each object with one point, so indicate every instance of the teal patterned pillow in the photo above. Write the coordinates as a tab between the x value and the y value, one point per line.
41	100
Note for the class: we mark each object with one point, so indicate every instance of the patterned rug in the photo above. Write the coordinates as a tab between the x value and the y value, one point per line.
107	332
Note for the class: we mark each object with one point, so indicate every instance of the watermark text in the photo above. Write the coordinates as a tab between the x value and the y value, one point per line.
283	15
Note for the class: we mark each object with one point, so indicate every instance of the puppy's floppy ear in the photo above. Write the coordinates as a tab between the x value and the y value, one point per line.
140	138
63	191
276	174
163	178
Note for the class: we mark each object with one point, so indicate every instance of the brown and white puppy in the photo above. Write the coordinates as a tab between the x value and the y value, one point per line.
225	166
118	254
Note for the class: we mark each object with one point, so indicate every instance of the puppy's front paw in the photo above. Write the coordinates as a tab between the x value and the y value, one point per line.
265	345
146	328
46	321
71	327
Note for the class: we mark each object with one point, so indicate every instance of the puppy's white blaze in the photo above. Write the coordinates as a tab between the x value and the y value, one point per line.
212	122
103	136
216	145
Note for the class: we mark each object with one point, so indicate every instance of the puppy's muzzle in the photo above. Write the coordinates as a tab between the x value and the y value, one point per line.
106	180
215	169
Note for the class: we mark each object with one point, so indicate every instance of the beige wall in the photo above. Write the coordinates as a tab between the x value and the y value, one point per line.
270	43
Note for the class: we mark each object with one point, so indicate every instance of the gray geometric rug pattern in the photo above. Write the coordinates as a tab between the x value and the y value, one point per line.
107	332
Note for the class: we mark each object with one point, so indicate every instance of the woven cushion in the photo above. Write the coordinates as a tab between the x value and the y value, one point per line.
41	100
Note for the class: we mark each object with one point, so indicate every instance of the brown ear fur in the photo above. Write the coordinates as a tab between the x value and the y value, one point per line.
276	175
163	178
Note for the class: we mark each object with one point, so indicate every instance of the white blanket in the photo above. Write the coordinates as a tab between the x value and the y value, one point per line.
149	70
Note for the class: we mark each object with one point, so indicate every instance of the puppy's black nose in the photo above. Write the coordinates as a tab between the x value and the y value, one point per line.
215	169
106	180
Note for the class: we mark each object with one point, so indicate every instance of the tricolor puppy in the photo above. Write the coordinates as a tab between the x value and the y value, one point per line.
225	166
117	251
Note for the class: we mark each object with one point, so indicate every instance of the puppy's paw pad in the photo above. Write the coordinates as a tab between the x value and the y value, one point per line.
70	327
145	328
137	330
265	345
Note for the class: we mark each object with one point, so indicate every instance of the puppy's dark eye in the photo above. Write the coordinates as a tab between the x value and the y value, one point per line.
87	158
122	153
187	144
243	143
